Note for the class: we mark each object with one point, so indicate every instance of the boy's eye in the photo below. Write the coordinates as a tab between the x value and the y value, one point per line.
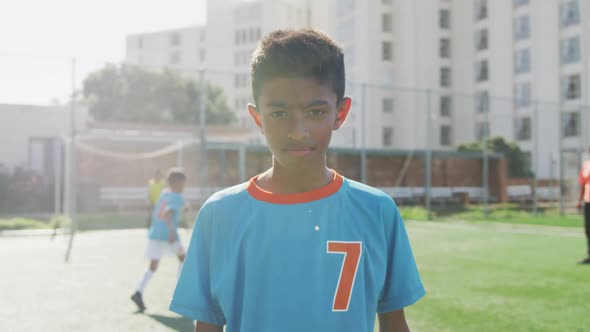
278	114
316	111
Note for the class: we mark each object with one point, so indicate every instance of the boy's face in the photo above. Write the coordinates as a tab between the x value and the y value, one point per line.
297	117
177	186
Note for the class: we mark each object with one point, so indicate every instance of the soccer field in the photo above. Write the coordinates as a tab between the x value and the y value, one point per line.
479	277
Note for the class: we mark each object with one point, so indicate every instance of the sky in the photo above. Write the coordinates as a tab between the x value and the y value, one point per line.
39	38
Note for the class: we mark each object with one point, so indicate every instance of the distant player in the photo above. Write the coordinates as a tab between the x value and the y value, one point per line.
584	180
155	187
298	247
163	233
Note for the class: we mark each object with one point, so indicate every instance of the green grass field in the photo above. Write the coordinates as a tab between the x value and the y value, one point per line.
479	277
500	213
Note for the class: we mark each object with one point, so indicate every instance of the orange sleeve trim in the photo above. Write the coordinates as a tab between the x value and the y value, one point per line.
266	196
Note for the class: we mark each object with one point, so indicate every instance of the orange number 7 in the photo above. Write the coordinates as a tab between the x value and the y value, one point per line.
352	256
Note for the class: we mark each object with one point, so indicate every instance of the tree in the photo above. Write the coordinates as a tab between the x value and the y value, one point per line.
518	163
130	94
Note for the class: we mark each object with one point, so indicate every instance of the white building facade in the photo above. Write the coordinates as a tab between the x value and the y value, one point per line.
423	74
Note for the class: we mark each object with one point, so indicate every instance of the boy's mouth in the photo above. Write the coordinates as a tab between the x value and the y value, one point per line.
299	151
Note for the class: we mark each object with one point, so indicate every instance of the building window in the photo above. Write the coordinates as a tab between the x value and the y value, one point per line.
202	53
258	34
175	58
444	19
570	50
175	39
140	42
522	27
387	136
202	35
344	7
482	130
386	22
481	40
241	80
445	77
481	10
522	61
572	87
387	51
523	129
570	13
519	3
445	48
445	106
387	105
387	78
445	135
349	57
481	71
522	94
570	124
386	2
482	102
251	35
345	30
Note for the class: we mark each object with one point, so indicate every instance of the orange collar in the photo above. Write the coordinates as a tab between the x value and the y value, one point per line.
266	196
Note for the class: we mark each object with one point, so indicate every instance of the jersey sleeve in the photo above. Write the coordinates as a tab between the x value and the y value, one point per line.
174	204
193	297
403	286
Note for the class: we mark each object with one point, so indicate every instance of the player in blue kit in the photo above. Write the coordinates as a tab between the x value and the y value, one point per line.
163	234
298	247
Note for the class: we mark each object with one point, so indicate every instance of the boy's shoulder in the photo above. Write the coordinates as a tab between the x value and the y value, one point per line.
363	191
228	196
168	195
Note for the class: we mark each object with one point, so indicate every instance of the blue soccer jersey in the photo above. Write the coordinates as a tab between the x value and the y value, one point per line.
168	201
325	260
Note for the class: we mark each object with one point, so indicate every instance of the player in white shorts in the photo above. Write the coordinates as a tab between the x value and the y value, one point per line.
163	235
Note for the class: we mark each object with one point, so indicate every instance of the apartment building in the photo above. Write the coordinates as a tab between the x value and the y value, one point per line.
429	73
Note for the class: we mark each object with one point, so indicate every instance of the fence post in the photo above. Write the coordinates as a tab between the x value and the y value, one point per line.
203	168
561	170
179	154
222	166
535	160
364	133
72	166
485	171
57	174
242	162
428	156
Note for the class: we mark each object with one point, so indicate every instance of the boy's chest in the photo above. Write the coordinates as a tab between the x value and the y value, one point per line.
325	259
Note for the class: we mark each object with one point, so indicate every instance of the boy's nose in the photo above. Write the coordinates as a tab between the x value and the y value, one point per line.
298	129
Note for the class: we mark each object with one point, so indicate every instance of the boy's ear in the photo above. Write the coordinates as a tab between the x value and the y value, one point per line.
342	112
255	115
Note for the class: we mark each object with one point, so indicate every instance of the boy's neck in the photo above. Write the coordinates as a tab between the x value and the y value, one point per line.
281	180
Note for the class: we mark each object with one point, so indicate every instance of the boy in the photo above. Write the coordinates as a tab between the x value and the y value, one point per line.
584	180
163	233
298	247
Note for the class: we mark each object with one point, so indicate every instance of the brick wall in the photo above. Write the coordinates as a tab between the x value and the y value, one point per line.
223	167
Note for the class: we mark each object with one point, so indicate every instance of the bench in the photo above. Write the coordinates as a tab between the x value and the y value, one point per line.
123	196
548	193
437	194
475	194
519	193
399	194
